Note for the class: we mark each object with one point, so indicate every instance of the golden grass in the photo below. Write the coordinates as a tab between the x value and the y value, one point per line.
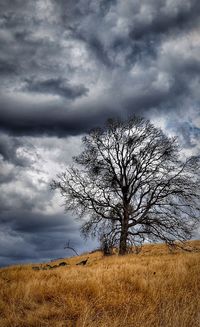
151	289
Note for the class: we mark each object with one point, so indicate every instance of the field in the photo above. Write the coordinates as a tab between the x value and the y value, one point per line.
152	289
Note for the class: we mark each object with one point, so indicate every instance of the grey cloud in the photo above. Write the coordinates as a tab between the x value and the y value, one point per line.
50	119
146	22
189	135
36	237
26	221
166	18
33	227
56	86
9	149
7	68
44	52
97	49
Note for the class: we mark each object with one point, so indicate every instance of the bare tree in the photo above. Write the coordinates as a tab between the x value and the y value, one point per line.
130	184
106	244
68	246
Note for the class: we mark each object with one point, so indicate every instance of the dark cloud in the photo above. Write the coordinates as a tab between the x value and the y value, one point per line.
53	121
55	48
166	18
33	226
37	237
34	236
7	68
56	86
11	151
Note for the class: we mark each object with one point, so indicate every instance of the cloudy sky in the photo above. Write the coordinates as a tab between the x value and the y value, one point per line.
66	66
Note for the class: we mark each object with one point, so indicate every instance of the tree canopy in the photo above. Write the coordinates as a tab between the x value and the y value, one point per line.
130	184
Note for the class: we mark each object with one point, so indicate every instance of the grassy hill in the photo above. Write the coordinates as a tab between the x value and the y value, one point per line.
151	289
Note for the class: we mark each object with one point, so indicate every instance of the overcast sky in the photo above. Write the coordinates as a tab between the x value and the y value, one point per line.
66	66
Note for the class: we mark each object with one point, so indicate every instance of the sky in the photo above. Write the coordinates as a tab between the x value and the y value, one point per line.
65	67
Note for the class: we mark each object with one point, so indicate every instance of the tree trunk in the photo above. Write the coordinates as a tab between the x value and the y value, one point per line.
123	240
124	228
122	244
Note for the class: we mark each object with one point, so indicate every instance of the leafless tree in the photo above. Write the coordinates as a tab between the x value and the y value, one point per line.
106	244
131	184
68	246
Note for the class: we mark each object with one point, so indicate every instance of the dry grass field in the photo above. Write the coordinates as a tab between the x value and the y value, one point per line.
152	289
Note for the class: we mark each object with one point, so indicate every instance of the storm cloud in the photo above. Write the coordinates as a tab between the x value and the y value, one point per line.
56	87
67	66
63	61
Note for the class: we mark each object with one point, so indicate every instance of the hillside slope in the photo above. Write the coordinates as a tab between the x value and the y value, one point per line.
154	289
